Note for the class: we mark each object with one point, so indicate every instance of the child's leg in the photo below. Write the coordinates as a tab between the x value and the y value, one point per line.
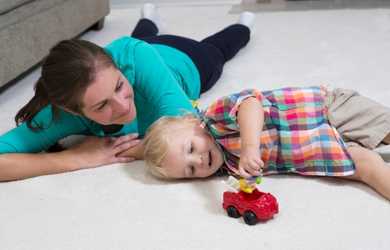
359	119
387	139
371	169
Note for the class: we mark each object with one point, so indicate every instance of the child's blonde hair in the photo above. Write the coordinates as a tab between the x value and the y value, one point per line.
156	140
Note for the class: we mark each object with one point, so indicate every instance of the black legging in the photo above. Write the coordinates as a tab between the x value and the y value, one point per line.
209	55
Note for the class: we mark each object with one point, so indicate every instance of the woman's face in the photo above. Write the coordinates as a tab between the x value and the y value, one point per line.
109	99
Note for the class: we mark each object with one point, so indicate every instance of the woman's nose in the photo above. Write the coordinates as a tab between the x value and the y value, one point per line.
121	103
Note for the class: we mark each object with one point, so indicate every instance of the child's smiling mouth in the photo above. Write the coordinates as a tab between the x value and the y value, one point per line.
210	159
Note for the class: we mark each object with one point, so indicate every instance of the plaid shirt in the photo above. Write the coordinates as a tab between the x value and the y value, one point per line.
296	137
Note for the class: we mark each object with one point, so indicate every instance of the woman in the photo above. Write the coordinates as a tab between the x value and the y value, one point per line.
113	95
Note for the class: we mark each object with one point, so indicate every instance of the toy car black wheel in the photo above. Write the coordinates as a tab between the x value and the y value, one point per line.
250	218
233	212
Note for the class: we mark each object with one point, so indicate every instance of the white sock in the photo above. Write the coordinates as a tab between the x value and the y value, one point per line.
247	18
149	11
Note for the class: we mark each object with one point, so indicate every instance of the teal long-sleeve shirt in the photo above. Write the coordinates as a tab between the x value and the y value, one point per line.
164	80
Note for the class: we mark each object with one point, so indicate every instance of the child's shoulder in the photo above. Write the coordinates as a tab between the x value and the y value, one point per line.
295	94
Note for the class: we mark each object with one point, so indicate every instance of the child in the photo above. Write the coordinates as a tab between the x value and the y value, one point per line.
289	130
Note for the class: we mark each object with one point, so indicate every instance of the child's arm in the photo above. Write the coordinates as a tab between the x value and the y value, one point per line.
250	119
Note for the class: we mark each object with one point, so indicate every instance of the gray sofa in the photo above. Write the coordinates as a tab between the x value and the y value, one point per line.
28	28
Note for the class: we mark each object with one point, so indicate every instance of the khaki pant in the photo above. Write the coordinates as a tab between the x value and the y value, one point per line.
358	119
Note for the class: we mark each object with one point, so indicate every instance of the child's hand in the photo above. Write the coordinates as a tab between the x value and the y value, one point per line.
250	162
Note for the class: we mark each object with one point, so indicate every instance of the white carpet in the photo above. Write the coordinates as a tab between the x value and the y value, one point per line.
122	207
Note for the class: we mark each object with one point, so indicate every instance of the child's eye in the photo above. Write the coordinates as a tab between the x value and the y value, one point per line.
119	86
191	149
192	170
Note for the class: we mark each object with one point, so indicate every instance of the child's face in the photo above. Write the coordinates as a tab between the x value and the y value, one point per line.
192	153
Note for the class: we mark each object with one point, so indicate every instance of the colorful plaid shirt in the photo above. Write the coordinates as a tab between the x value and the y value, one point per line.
296	136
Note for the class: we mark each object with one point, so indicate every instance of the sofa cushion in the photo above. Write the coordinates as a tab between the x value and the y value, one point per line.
26	11
7	5
28	32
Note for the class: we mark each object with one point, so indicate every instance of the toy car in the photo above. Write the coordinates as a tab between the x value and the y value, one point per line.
253	206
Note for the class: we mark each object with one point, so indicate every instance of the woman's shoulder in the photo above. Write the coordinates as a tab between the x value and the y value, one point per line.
127	51
125	43
49	117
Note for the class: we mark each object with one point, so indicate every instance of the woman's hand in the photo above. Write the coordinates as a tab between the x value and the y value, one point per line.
250	162
97	151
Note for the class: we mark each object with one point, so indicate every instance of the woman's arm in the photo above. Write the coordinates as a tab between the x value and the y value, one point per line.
250	119
162	93
20	166
92	152
136	152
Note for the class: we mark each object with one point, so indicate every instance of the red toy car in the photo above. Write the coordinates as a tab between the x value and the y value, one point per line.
253	206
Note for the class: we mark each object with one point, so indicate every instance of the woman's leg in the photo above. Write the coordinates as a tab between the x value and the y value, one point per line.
211	54
206	57
144	28
370	169
147	25
222	47
229	40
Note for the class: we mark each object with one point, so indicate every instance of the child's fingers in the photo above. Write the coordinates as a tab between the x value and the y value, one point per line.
258	162
255	172
254	169
255	164
248	172
243	173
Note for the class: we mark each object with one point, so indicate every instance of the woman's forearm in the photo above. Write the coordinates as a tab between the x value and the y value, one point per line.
92	152
250	118
21	166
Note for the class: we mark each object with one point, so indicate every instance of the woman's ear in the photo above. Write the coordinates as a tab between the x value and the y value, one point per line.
71	112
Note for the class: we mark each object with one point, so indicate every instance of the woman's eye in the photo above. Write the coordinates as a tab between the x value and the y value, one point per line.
101	106
119	86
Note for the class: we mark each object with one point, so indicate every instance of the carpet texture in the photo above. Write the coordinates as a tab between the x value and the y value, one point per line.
122	207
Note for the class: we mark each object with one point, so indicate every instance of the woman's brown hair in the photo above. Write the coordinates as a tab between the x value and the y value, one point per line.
66	73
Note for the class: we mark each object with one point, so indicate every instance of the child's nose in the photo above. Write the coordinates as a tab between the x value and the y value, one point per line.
197	160
203	160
